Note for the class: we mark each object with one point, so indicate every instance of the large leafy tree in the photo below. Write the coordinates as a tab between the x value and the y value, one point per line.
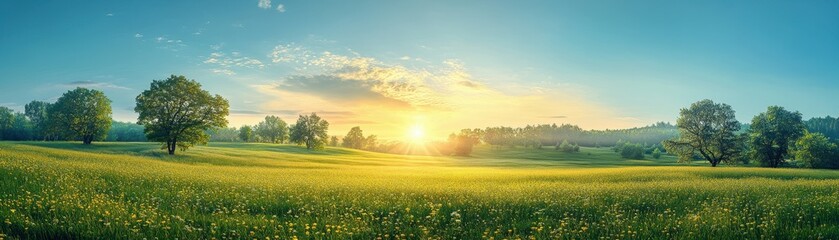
37	112
310	130
177	112
83	114
816	151
708	130
272	129
771	134
354	139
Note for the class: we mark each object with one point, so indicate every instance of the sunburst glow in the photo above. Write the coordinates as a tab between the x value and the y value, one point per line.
417	133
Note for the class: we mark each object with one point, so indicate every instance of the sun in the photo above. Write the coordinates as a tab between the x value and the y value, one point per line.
417	133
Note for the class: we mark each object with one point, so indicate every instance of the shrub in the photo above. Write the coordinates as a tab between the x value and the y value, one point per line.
632	151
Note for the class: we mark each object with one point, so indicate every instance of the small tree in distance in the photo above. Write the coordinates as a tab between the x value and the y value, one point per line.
272	129
246	133
310	131
354	139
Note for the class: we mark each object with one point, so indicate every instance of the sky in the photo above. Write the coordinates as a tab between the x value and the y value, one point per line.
391	67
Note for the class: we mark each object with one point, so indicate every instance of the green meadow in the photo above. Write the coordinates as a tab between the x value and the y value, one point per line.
266	191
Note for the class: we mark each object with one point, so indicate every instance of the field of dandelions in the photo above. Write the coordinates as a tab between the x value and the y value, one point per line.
260	191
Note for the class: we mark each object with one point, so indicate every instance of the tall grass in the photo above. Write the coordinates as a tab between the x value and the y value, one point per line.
236	191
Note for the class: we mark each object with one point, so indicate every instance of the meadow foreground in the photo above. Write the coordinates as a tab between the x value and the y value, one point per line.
264	191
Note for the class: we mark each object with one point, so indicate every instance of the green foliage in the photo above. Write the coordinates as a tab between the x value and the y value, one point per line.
246	133
707	129
816	151
771	134
272	129
177	112
310	130
126	132
829	126
82	114
656	153
632	151
538	135
566	147
354	139
38	114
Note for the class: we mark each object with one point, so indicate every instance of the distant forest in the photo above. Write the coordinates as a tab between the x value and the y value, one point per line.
16	126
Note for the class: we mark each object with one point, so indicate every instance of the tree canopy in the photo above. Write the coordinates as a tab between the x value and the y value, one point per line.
707	129
177	112
816	151
771	134
83	114
354	139
310	130
272	129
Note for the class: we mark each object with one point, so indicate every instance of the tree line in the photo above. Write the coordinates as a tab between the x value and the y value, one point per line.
777	137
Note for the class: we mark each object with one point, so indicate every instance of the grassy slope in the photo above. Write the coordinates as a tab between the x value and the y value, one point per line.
122	190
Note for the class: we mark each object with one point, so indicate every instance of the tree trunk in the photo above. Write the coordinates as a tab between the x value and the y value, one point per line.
714	163
86	140
172	147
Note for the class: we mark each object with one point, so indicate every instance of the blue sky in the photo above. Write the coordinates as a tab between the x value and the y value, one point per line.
389	65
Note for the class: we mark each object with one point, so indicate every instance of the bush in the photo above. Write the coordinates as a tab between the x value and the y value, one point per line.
656	153
632	151
816	151
565	147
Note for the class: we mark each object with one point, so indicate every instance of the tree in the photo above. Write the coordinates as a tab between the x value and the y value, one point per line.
310	130
463	142
656	153
7	119
272	129
246	133
177	112
816	151
771	134
707	129
333	142
354	138
37	112
371	142
83	114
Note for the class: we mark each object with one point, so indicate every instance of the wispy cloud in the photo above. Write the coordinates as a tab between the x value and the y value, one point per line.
137	35
93	84
109	14
280	8
264	4
224	64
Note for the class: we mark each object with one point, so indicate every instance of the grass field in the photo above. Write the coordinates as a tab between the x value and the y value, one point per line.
261	191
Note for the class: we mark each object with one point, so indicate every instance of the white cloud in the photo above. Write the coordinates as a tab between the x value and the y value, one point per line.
227	72
264	4
405	58
225	63
109	15
94	84
280	8
138	35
